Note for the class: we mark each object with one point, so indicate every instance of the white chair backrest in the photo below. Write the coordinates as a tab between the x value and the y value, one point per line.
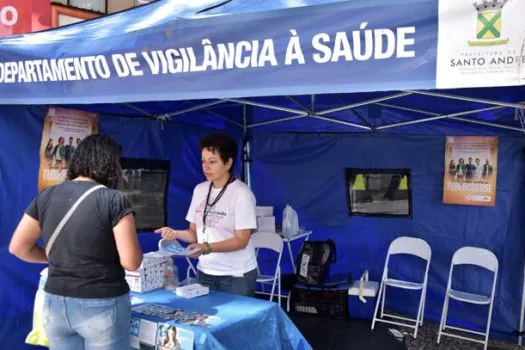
476	256
410	245
268	240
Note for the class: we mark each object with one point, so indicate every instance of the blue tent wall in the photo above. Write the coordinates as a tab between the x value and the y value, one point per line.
284	165
307	171
21	132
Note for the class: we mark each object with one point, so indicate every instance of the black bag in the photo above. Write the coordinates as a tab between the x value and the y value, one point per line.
314	261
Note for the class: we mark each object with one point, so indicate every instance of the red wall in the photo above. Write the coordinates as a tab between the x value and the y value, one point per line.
23	16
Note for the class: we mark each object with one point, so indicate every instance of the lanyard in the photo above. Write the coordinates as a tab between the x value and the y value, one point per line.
208	205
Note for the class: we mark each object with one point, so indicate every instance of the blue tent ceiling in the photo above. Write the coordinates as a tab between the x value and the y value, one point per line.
491	111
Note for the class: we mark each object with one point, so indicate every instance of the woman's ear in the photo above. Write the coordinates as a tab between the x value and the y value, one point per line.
229	163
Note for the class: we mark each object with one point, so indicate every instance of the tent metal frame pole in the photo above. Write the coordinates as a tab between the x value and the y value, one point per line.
195	108
356	113
204	106
480	122
445	116
135	108
342	122
246	151
468	99
363	103
317	115
226	119
522	313
265	105
306	109
300	116
387	105
411	122
433	116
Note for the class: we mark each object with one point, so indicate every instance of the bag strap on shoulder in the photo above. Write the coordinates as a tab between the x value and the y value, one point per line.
68	215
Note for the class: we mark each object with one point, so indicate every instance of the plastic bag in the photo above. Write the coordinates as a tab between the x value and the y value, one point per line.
37	336
290	221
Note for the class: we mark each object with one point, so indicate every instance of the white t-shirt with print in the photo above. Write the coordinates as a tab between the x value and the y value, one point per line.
235	210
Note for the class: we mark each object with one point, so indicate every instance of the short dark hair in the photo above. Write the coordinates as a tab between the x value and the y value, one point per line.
223	144
97	157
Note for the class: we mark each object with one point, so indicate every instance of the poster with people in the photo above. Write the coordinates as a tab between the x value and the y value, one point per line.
151	335
470	170
64	129
170	337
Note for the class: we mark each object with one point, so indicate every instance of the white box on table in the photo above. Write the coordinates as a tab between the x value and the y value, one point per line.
266	223
263	211
192	291
150	275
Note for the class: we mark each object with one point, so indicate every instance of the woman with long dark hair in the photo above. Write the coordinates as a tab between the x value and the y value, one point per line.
87	302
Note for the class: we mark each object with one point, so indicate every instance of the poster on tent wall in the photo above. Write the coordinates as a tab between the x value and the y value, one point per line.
470	170
64	129
481	43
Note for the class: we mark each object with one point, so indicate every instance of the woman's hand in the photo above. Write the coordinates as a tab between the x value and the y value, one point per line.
189	235
168	233
202	248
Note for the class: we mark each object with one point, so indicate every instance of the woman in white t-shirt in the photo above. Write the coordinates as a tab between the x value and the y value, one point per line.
221	217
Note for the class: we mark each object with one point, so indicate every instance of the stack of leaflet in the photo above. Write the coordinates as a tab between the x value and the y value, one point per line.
192	291
265	219
172	247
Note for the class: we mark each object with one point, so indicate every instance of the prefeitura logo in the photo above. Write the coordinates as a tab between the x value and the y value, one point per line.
488	28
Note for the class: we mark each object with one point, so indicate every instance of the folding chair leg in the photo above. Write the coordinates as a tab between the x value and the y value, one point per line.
443	318
381	286
423	310
383	302
488	325
279	289
273	290
446	314
419	312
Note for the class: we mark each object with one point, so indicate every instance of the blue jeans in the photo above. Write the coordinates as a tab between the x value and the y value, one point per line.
91	324
237	285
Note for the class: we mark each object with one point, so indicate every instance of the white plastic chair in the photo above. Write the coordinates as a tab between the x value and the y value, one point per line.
409	246
478	257
274	242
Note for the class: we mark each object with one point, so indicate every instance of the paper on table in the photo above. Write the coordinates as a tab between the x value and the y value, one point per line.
148	332
187	252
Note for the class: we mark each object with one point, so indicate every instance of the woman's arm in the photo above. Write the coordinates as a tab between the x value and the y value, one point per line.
189	235
238	241
23	243
127	243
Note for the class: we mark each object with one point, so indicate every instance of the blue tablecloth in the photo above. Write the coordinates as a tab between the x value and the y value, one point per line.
247	323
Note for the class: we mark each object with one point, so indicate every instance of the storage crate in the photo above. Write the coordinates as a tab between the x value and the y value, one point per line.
320	301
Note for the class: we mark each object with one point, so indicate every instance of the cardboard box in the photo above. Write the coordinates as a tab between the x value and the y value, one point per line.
150	275
266	223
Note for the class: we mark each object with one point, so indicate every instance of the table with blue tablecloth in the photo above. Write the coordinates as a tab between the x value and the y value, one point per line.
245	323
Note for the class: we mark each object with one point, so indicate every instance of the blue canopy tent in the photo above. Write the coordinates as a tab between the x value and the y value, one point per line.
165	74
